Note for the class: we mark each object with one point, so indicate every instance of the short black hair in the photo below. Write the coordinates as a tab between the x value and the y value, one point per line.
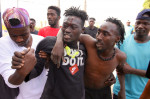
120	28
32	20
74	11
92	18
57	9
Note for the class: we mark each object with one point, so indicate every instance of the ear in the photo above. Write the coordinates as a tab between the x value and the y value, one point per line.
83	29
59	17
117	39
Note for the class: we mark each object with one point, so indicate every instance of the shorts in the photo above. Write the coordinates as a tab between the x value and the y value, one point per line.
103	93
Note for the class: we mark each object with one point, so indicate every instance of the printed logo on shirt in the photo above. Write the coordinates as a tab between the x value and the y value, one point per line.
74	69
72	61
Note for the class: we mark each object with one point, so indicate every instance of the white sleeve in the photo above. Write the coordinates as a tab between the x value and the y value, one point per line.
6	71
5	63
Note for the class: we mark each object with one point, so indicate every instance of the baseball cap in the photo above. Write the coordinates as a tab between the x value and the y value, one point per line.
16	18
140	15
128	20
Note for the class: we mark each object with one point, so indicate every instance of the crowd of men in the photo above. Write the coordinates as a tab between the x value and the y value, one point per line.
79	62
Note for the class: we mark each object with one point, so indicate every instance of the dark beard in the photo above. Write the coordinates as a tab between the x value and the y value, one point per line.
71	44
99	51
52	25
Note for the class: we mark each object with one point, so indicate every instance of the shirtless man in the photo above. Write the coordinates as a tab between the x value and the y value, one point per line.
103	58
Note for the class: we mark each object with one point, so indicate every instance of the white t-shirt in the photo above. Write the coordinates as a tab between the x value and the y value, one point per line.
27	90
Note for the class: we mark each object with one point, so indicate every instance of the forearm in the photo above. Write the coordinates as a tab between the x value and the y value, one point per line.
127	69
17	78
36	71
59	36
138	72
121	78
121	94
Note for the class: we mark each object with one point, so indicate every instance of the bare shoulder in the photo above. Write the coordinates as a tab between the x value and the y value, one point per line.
87	40
121	56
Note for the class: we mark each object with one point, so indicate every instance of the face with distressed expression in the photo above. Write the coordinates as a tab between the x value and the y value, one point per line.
21	36
72	29
107	36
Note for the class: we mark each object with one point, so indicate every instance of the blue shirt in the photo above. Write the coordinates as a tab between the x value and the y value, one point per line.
128	30
138	56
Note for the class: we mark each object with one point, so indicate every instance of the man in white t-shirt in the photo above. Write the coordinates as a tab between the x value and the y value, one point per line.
17	22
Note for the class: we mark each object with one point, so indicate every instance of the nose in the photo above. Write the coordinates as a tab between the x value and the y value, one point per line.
141	26
19	39
68	29
99	36
49	16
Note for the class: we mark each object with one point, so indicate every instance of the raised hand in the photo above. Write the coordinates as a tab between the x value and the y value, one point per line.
18	59
29	61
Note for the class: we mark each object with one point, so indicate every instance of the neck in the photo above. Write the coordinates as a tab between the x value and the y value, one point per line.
91	27
106	53
141	39
55	26
32	29
29	44
71	44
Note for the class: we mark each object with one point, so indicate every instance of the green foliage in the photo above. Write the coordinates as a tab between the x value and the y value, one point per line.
146	4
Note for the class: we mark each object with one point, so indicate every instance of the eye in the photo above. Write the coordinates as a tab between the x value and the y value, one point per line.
65	25
146	23
105	33
137	23
98	32
24	35
74	27
13	36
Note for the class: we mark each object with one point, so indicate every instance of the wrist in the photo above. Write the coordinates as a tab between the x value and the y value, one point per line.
20	73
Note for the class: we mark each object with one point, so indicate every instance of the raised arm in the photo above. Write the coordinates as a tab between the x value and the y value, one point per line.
58	49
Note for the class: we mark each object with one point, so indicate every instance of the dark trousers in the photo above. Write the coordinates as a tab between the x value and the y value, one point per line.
103	93
6	92
115	96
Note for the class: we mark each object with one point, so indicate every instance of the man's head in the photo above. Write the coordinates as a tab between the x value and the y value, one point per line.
142	24
73	24
110	33
17	22
128	23
53	15
91	22
32	23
